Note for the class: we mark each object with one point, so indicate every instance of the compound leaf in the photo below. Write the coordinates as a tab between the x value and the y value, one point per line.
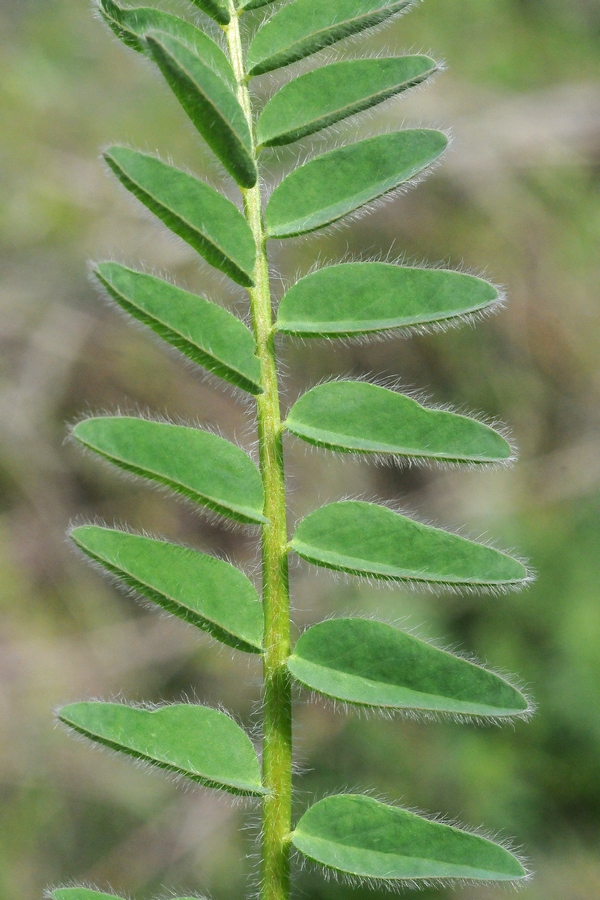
209	222
201	590
206	333
330	186
201	466
201	743
351	299
210	104
371	540
355	416
373	664
332	93
364	837
131	24
306	26
215	9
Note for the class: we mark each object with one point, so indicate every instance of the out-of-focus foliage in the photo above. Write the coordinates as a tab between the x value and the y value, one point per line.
519	193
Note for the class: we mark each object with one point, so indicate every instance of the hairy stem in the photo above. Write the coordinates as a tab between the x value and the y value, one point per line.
277	723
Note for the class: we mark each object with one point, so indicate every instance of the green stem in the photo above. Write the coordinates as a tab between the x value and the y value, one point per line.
277	724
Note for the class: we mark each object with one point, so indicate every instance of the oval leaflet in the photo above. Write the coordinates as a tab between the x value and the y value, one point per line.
303	27
200	743
200	589
330	186
210	104
198	214
80	893
327	95
206	333
369	663
358	417
370	540
364	837
131	24
197	464
352	299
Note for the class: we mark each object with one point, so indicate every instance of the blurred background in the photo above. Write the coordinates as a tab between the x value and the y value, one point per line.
517	198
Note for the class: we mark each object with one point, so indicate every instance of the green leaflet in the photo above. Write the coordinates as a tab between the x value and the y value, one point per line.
360	298
210	104
373	664
355	416
199	465
200	589
330	186
215	9
132	24
371	540
206	333
77	893
332	93
201	743
306	26
361	836
210	223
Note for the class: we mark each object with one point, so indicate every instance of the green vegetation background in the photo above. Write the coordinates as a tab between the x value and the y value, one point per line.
518	196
